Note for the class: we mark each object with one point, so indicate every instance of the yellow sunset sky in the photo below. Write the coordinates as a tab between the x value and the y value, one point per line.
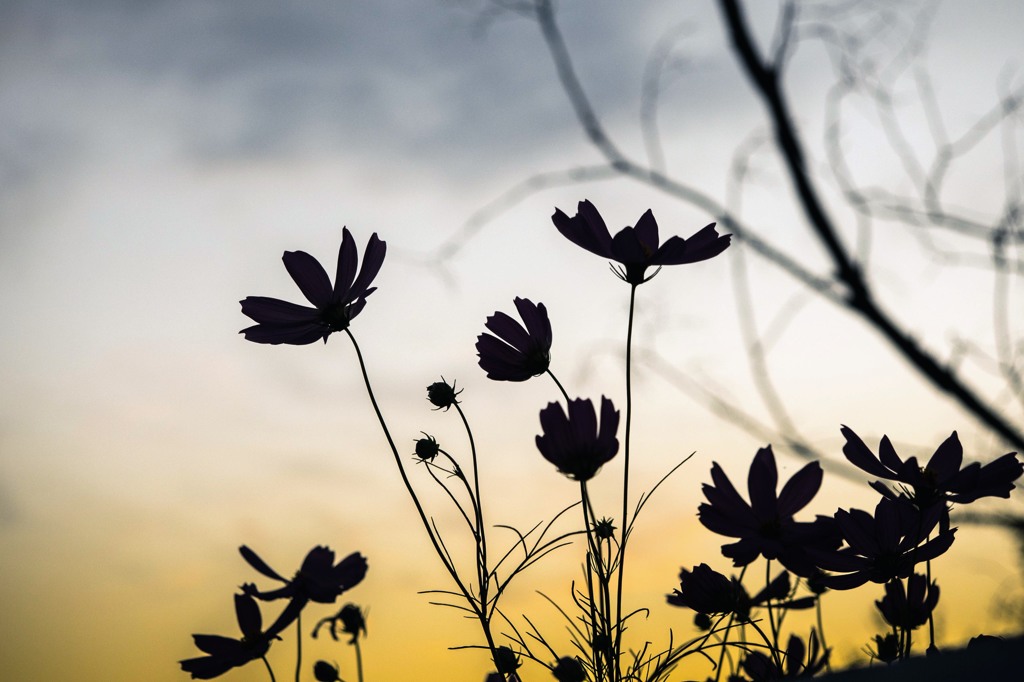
156	160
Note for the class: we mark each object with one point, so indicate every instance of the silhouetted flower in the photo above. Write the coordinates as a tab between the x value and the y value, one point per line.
908	608
710	593
515	352
319	579
636	248
941	480
884	546
334	307
887	648
766	526
762	668
225	653
325	672
442	395
568	669
573	442
707	591
426	448
352	619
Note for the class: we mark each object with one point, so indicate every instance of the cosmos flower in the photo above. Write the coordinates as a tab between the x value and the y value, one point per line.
941	480
515	352
908	608
225	653
573	442
885	546
636	248
765	526
333	307
319	579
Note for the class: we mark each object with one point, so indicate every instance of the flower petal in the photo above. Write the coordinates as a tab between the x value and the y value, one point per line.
800	489
294	334
704	244
311	277
948	457
254	560
348	259
505	327
761	483
861	457
586	229
373	259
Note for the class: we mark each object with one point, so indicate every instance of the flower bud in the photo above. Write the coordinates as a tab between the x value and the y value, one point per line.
442	395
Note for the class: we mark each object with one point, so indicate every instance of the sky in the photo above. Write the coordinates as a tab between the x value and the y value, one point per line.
157	158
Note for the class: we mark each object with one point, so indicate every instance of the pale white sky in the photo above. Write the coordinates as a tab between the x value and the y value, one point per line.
156	158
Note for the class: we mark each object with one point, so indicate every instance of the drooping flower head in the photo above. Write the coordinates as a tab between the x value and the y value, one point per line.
941	480
765	526
573	442
352	620
515	352
225	653
334	306
886	545
708	592
637	248
908	608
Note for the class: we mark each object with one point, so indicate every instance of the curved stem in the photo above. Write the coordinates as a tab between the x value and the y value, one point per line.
560	387
269	669
480	535
477	607
359	660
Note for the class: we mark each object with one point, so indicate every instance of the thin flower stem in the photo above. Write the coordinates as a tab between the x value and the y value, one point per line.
298	647
591	553
725	637
931	614
269	669
481	535
559	384
625	476
359	660
771	612
821	633
477	607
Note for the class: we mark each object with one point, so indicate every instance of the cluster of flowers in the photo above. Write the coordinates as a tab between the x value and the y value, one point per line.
319	579
910	525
